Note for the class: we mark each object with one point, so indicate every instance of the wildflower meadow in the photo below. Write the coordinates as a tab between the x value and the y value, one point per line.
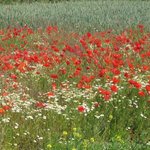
74	89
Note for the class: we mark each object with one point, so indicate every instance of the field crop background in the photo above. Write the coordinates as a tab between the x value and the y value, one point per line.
74	75
78	16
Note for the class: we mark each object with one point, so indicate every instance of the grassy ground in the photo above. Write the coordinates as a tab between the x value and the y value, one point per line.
63	90
78	16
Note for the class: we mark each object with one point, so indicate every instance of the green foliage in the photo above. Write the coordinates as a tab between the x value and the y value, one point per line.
32	1
78	16
28	1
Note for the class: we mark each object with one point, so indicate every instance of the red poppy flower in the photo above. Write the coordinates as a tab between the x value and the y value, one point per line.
6	107
102	72
40	104
126	75
54	86
54	76
2	111
114	88
115	80
141	26
13	76
141	93
147	88
50	94
81	109
22	66
134	83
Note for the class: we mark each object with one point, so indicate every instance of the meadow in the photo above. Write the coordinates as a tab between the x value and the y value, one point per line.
75	76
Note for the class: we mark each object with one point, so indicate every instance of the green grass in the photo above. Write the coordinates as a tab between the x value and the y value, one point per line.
120	124
80	16
23	132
